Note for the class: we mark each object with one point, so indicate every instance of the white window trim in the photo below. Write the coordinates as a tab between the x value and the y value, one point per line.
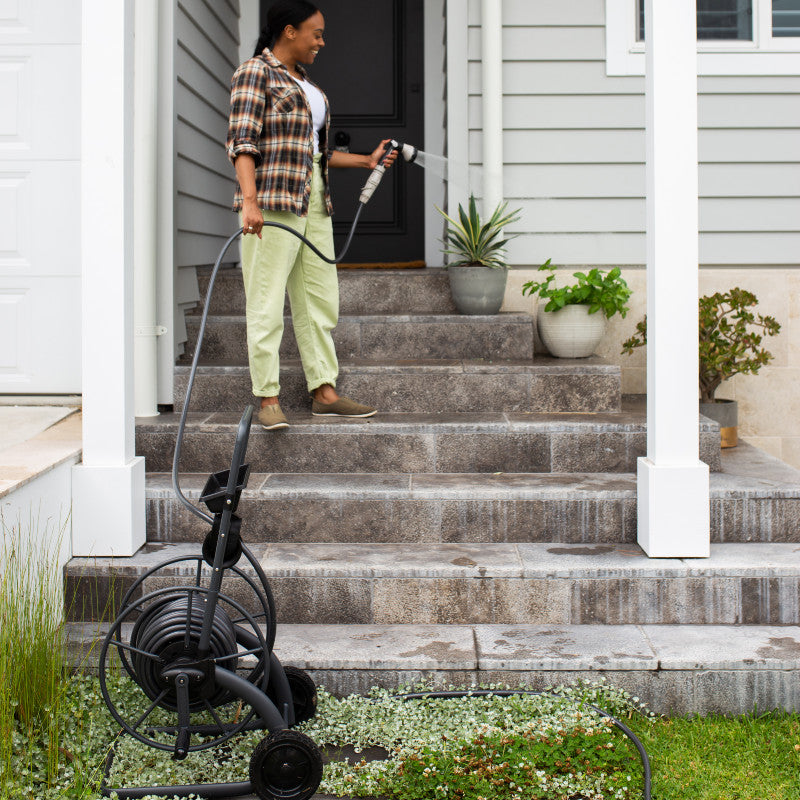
765	55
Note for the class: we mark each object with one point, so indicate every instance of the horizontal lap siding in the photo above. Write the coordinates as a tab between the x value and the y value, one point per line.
574	147
205	58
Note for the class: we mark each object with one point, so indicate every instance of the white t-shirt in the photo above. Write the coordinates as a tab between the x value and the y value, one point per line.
317	103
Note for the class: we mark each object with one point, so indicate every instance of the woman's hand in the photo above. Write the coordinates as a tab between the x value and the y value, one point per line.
377	154
252	218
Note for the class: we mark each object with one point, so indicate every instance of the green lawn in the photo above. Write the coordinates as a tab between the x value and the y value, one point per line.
716	758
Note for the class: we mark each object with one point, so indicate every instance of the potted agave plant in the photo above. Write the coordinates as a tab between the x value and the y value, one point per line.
568	321
478	275
730	337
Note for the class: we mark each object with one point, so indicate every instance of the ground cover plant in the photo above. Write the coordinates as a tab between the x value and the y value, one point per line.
753	757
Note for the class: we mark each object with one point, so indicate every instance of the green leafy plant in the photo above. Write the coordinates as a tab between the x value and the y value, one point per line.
601	292
730	337
477	243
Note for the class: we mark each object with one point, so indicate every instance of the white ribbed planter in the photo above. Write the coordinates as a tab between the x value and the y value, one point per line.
571	332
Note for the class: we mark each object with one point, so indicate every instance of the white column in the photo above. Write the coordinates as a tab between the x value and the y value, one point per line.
673	504
145	207
108	488
492	99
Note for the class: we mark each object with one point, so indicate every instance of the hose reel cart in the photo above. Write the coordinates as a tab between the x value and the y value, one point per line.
195	635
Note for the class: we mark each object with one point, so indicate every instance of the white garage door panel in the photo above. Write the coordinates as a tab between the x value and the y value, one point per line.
40	218
40	21
15	123
39	321
39	93
15	200
15	335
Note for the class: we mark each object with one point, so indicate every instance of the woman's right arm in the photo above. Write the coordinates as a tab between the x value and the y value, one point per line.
252	219
248	104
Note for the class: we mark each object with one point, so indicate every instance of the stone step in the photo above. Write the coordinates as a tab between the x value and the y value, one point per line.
413	443
426	386
755	499
675	669
377	291
546	583
384	336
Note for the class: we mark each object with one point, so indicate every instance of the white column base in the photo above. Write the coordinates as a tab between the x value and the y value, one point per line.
673	510
108	509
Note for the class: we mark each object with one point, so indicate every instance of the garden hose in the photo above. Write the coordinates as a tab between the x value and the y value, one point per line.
409	153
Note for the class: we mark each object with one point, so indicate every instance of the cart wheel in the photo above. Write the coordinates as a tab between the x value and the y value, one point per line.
286	765
304	693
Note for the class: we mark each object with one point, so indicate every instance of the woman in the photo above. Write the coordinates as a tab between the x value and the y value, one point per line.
278	141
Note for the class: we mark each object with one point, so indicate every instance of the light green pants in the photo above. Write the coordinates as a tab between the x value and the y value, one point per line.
279	262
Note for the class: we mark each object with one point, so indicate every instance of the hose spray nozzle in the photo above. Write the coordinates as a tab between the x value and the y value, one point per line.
409	153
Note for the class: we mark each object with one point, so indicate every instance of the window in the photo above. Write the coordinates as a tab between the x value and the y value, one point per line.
717	19
734	37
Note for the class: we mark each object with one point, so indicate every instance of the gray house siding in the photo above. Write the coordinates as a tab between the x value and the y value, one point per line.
206	54
574	147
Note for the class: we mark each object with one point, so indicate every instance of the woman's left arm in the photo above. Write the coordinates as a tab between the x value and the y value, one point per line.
340	159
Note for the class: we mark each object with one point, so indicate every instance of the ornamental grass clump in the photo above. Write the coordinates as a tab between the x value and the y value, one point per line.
34	667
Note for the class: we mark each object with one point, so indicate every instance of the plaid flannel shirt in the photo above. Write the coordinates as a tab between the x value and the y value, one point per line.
270	120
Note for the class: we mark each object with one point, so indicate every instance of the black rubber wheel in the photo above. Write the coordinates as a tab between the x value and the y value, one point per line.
286	765
304	693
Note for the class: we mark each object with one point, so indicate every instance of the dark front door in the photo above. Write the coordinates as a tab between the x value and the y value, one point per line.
372	71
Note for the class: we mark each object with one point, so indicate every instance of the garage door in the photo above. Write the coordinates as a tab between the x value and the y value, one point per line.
40	196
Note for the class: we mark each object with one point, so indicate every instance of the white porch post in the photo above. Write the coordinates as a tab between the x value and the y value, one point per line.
108	488
673	504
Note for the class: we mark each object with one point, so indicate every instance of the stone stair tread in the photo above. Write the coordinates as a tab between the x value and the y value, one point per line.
413	421
541	363
540	647
381	318
524	648
736	481
539	485
541	560
399	442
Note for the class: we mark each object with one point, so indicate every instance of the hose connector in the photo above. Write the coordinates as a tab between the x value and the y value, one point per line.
372	184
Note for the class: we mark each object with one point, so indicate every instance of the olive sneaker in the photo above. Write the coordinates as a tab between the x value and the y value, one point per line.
271	418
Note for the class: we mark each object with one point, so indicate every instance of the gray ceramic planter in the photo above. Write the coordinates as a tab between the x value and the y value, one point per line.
477	290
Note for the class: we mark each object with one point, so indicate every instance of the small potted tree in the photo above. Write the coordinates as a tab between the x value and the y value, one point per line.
478	275
730	337
568	320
